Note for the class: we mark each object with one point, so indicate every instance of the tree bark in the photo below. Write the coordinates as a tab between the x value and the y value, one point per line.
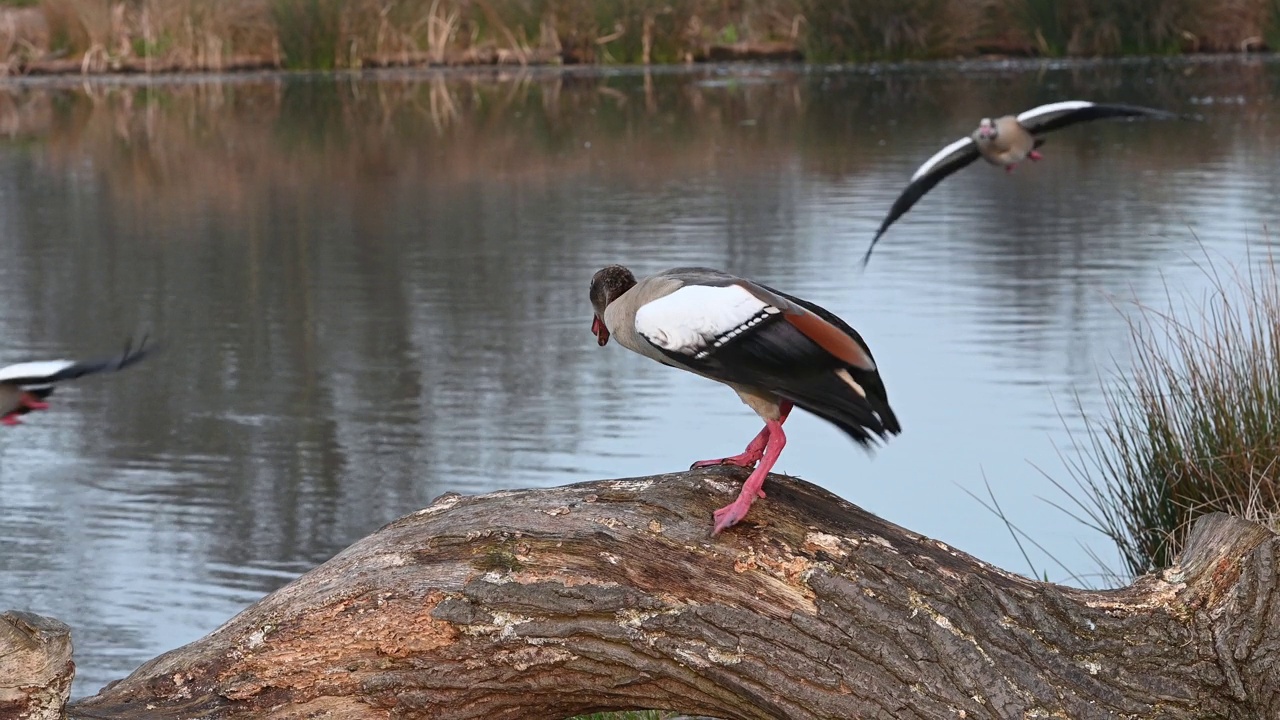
35	666
612	595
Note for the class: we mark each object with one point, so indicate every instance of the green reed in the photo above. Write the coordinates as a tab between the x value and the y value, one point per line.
1194	425
845	30
309	32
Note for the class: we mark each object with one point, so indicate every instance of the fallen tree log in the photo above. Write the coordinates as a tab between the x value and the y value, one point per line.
612	595
35	666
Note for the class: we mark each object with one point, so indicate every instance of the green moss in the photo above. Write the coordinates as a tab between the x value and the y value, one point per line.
501	558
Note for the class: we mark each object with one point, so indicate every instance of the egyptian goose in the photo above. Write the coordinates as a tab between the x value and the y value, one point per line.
773	349
1004	141
24	386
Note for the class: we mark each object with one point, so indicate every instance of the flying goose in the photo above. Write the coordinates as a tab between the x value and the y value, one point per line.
1004	141
24	386
773	349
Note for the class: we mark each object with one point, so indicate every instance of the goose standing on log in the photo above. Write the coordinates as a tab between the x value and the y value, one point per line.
776	351
24	386
1004	141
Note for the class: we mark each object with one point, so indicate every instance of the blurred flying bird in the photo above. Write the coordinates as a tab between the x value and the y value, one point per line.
24	386
1004	141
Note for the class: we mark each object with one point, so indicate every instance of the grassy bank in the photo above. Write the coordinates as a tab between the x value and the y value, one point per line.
1191	427
175	35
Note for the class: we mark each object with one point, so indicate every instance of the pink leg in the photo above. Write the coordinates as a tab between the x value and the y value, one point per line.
746	458
31	402
1035	155
755	449
1008	169
753	487
10	419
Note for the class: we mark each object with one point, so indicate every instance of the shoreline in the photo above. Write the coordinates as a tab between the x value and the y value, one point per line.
88	64
250	70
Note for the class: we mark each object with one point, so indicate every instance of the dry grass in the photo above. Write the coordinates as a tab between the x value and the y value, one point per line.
97	35
1119	27
1192	427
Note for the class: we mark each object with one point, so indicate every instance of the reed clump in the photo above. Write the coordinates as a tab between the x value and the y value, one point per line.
1131	27
151	35
1194	426
841	30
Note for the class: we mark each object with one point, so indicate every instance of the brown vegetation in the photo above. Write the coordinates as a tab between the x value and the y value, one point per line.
174	35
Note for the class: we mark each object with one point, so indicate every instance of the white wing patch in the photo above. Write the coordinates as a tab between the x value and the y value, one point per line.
34	370
699	318
1053	109
941	155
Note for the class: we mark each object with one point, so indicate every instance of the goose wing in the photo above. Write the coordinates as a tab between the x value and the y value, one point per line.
41	375
1055	116
744	334
946	161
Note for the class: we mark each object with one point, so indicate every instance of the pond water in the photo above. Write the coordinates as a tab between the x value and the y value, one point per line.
371	289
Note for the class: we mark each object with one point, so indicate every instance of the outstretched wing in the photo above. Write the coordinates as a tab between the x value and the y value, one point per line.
40	376
946	161
742	333
1054	116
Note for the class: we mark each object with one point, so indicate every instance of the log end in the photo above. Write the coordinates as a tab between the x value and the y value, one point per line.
1212	560
36	669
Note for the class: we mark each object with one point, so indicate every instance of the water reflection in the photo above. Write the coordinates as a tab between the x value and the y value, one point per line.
372	290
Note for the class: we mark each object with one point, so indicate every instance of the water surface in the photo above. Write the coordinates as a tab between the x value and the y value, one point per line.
372	290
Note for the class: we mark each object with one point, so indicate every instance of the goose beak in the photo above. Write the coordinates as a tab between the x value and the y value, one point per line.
599	330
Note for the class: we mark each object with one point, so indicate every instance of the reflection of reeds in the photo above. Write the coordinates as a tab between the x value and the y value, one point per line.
321	34
1193	427
467	126
441	108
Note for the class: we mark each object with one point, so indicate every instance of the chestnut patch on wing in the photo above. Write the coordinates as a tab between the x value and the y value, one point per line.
831	339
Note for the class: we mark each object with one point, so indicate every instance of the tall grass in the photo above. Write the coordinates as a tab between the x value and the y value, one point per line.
1044	23
1194	425
886	29
309	32
1115	27
1271	25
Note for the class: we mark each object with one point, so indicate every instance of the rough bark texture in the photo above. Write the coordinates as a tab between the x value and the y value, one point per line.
35	666
547	603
